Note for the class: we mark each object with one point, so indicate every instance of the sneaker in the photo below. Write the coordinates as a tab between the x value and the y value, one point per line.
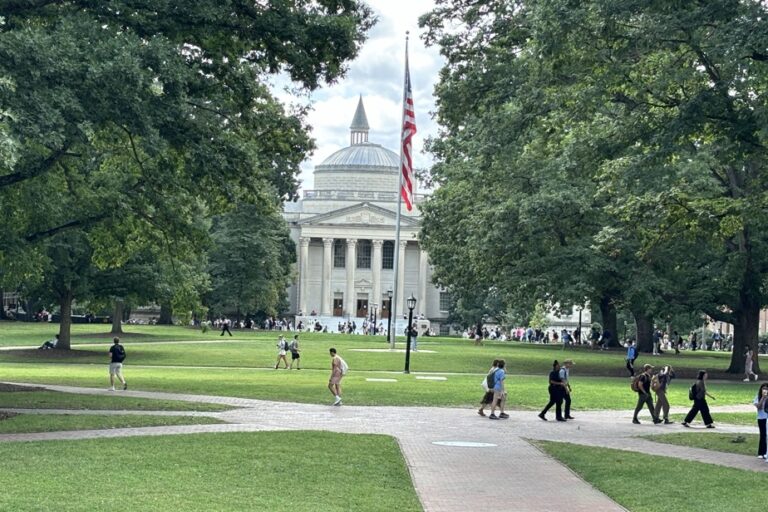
337	402
570	418
686	425
746	380
481	412
493	417
761	456
636	421
504	416
112	388
125	386
667	422
710	426
541	415
561	419
656	421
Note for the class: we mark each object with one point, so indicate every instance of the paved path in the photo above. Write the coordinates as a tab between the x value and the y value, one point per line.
510	472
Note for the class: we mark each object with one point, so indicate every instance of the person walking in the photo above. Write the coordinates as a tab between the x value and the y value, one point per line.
631	358
338	370
698	394
488	395
117	356
565	374
556	392
748	363
282	350
225	327
659	384
761	403
499	392
656	342
295	353
642	385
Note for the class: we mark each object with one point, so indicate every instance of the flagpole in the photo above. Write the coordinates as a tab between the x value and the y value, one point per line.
396	266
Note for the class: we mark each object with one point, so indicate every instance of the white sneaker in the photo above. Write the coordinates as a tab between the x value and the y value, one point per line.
337	402
745	380
112	388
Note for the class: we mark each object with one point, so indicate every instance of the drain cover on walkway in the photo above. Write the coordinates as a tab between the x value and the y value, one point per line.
431	378
381	380
464	444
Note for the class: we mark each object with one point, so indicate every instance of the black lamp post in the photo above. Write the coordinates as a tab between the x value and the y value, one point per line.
411	301
389	317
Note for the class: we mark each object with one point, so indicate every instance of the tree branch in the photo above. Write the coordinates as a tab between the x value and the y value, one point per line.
720	316
77	223
28	173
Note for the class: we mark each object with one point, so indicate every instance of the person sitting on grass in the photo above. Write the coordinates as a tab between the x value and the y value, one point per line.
50	344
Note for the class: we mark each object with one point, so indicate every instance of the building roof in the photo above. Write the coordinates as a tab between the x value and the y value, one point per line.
360	121
361	156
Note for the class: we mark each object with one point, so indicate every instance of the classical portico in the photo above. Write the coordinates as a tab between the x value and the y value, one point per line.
345	236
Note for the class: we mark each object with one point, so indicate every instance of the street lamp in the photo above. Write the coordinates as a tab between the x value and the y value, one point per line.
581	308
411	302
389	316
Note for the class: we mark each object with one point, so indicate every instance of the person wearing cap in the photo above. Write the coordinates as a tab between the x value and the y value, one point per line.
644	394
565	373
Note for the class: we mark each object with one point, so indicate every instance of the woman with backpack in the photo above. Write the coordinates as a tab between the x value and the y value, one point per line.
659	384
698	393
488	395
761	403
556	393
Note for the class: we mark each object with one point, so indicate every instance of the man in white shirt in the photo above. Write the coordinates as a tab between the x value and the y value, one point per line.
565	373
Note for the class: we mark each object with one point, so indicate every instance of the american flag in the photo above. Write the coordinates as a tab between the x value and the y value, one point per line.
407	184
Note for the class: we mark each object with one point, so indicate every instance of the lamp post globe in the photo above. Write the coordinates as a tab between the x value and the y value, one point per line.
411	302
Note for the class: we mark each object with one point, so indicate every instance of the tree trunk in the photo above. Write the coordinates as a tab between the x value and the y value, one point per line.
3	316
745	336
644	326
65	323
117	316
166	314
608	319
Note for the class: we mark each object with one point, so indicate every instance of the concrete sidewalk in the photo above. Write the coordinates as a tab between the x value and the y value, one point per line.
501	468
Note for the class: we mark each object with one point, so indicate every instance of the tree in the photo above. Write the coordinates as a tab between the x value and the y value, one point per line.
250	262
656	106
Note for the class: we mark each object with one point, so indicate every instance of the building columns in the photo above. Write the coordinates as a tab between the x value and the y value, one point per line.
400	306
325	302
351	263
423	267
376	272
303	273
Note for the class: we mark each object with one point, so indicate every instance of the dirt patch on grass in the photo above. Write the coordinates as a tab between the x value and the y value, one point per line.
13	388
54	355
4	415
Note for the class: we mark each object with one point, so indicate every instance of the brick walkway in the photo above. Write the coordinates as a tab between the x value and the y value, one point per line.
512	474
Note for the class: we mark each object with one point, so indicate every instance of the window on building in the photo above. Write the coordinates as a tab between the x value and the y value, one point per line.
339	253
388	255
445	329
445	301
363	254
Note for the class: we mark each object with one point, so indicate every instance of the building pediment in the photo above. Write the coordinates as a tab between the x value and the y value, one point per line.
363	214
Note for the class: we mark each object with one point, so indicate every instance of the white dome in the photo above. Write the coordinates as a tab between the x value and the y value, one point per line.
361	156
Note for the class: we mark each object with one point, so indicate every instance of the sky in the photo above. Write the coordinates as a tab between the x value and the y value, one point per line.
377	75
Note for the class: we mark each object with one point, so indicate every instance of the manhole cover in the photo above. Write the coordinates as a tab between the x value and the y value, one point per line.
464	444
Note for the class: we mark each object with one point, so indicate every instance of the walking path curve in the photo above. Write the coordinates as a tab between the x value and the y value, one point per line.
506	469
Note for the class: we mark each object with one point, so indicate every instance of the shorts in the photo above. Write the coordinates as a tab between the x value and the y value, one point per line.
281	353
487	398
294	356
115	368
335	378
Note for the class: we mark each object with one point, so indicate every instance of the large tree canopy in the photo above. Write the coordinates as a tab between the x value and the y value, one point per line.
614	150
128	119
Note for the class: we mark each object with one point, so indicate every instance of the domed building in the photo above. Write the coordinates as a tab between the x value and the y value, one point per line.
344	230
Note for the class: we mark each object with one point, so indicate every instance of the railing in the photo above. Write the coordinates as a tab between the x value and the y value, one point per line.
352	195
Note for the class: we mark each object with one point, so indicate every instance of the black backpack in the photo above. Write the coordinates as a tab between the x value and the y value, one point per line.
692	392
491	380
119	353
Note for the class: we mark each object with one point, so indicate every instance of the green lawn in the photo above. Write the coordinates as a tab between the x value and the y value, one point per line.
309	386
256	349
729	443
275	471
116	401
28	423
645	483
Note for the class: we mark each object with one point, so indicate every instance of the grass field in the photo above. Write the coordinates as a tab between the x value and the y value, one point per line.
661	484
28	423
116	401
743	444
300	471
731	418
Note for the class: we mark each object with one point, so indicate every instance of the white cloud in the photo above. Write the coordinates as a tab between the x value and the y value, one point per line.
377	74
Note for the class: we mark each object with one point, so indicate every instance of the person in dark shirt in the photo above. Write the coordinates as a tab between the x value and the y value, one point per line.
644	394
700	395
117	356
556	393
